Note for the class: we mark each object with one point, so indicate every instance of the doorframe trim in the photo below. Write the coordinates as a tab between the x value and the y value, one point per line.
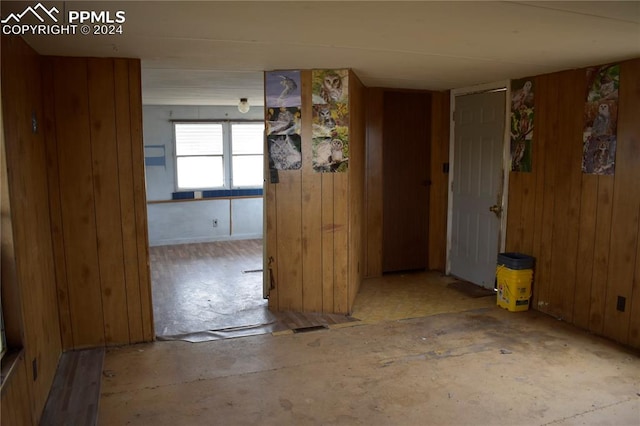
506	158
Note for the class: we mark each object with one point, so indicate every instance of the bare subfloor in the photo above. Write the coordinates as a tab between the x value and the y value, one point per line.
475	365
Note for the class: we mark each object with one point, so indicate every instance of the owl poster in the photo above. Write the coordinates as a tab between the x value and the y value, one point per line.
599	136
330	125
283	119
522	113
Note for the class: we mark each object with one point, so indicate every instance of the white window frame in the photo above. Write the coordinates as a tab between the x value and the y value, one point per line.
227	155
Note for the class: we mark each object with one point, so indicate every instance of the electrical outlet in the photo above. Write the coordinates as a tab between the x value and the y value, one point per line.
215	223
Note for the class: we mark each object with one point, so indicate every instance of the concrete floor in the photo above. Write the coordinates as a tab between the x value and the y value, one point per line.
481	366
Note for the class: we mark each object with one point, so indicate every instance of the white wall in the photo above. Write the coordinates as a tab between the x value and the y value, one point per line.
192	221
182	222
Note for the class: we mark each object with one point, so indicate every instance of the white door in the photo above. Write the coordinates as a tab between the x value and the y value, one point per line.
477	186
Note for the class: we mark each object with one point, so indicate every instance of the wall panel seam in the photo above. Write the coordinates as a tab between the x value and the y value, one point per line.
95	207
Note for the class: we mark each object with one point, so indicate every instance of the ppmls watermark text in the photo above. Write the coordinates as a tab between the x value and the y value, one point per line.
47	22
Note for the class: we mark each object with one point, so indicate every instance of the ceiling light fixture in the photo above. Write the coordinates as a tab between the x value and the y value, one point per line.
244	106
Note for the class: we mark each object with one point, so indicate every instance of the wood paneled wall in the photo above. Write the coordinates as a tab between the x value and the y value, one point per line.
583	229
15	400
356	186
313	235
374	202
93	128
374	182
439	190
31	257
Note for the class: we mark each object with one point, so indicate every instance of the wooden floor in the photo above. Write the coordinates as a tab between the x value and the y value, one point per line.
209	291
75	393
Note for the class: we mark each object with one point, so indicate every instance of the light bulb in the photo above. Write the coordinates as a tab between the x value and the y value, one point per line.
244	106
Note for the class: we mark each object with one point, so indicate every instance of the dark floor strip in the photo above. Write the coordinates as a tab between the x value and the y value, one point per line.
309	329
74	395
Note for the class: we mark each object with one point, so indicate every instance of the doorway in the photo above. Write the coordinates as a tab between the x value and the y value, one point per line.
208	290
205	222
477	181
406	147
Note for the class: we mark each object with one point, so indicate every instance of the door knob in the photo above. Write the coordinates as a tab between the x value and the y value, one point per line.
496	209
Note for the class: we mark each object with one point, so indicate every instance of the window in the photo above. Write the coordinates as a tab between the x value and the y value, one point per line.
199	155
246	151
216	155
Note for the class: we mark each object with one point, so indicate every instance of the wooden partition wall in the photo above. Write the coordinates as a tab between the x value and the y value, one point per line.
28	271
374	200
75	269
93	110
583	229
314	222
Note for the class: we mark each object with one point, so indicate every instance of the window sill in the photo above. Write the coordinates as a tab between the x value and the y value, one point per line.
9	363
191	200
218	193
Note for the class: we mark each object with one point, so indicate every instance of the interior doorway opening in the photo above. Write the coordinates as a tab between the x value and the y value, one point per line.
204	185
406	140
208	291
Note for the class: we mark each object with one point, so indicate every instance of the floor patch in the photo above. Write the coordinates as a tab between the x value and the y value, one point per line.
470	289
309	329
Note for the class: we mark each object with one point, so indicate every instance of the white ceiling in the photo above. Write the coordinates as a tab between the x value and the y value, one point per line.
213	53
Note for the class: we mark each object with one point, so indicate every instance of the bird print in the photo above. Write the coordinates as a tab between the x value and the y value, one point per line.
337	155
522	97
608	90
602	122
601	157
331	90
289	86
325	118
285	123
518	155
322	159
329	155
524	125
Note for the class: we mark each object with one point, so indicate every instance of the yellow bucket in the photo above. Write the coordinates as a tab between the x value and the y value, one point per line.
514	288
